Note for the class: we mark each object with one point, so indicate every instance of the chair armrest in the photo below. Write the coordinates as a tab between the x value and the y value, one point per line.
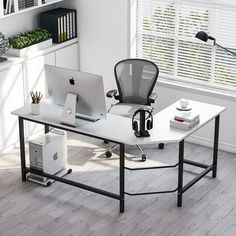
152	98
112	93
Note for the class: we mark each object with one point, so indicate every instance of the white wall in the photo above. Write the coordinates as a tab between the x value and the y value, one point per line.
102	31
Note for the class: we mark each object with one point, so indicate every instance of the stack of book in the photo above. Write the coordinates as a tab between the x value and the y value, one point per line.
8	6
185	120
11	6
25	4
61	23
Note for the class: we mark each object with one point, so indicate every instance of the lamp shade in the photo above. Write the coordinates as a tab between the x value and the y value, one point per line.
202	35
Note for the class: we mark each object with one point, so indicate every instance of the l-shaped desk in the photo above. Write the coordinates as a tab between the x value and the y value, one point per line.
118	130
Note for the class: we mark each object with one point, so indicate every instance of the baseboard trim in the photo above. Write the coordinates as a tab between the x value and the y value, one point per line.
209	143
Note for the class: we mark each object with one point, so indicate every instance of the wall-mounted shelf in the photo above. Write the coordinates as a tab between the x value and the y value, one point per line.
49	2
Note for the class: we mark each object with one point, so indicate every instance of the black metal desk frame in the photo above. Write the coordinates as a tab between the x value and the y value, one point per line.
121	196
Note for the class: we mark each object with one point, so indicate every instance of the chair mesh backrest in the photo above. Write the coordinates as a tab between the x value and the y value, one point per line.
135	80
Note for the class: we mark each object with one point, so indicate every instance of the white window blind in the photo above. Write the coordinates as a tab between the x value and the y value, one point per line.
165	34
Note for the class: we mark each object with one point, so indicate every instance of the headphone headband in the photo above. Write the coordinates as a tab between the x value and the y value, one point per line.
142	109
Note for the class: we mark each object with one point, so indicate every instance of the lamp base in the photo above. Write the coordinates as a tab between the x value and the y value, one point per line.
2	59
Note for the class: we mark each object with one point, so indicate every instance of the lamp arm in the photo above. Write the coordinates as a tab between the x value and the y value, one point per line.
226	49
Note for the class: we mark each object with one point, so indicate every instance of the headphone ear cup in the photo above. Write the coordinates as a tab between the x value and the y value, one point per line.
149	124
135	125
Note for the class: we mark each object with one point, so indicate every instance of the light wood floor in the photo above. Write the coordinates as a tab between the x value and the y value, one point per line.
209	207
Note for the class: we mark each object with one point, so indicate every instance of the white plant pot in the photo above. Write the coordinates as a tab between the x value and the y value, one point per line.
29	50
35	108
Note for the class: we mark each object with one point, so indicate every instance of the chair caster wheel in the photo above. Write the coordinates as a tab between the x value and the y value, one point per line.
144	157
105	141
108	154
49	183
161	145
69	171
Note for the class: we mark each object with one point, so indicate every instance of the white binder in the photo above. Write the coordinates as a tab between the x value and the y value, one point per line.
1	8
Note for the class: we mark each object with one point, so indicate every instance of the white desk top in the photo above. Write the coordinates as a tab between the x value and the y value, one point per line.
119	128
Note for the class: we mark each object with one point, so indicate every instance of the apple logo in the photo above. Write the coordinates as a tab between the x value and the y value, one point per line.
55	157
72	81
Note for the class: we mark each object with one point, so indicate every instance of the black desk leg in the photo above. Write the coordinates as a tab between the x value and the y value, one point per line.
180	174
122	177
46	129
22	148
215	150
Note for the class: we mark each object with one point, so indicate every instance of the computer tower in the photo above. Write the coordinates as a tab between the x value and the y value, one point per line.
48	154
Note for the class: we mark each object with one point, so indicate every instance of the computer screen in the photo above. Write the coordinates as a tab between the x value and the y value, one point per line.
88	87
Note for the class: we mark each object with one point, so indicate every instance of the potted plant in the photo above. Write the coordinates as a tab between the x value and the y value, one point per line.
24	44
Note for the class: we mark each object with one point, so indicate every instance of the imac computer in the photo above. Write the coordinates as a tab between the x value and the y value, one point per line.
81	94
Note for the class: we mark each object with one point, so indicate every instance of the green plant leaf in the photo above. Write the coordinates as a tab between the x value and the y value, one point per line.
29	38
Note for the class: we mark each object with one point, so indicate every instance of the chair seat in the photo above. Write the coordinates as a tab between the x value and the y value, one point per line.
127	109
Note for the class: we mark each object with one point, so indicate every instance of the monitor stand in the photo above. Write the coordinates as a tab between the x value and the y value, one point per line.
69	110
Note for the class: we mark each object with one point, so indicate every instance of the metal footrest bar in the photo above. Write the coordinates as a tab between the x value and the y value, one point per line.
154	167
112	147
196	179
73	183
149	193
194	163
139	147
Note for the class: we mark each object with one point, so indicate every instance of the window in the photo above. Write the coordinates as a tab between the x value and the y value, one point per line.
163	31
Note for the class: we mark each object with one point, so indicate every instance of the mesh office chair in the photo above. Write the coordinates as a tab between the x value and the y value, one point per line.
135	79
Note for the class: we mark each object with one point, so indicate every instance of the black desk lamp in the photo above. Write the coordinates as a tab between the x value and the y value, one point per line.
202	35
